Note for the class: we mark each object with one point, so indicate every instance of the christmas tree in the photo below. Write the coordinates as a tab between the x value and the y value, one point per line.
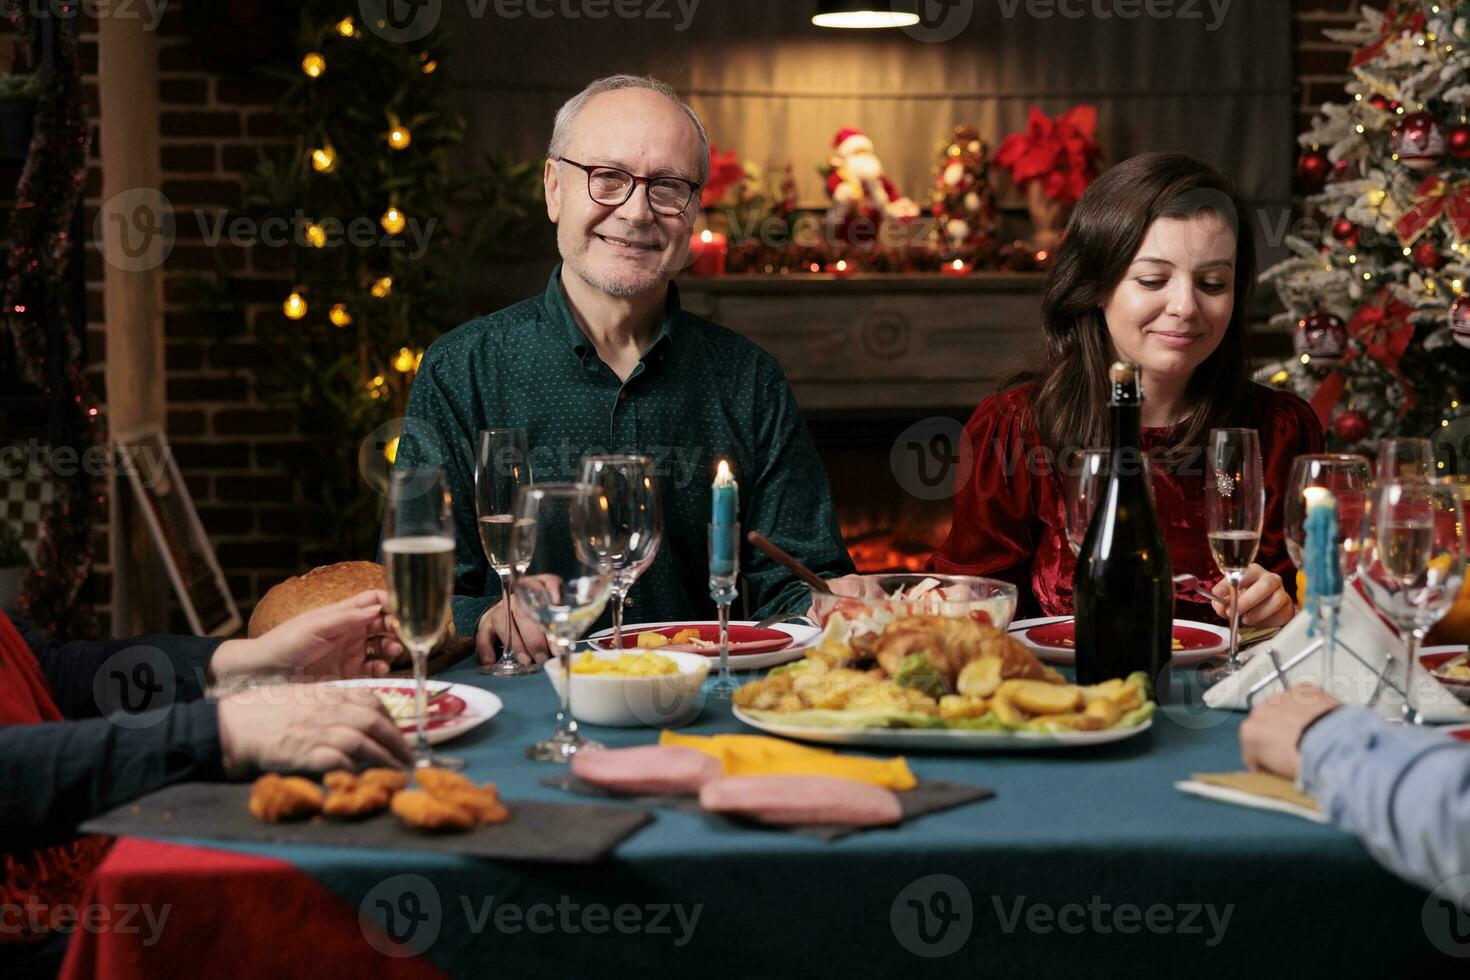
1376	288
962	202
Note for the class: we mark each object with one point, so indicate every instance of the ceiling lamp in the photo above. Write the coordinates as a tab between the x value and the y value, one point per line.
862	14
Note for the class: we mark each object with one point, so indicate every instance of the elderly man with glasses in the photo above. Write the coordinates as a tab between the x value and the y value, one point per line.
606	361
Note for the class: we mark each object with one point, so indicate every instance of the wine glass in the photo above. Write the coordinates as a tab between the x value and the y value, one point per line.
1413	563
418	558
1085	489
560	571
1404	459
1235	508
1350	478
634	519
502	468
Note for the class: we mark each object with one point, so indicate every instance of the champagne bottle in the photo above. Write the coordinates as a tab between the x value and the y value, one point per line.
1123	587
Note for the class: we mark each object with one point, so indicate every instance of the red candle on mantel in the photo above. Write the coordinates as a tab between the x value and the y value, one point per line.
841	269
956	268
708	249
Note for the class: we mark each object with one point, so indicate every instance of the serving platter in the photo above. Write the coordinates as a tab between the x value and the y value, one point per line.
942	739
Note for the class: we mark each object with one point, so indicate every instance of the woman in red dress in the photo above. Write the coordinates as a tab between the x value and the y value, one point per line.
1156	268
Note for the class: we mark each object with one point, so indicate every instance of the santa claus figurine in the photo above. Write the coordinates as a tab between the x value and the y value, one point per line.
859	189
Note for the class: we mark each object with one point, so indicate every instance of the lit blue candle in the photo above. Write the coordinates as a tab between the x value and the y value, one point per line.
1324	570
724	506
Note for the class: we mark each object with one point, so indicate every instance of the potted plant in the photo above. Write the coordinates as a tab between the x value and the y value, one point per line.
13	563
1052	163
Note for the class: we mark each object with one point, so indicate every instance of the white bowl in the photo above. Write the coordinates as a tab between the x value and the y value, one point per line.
659	701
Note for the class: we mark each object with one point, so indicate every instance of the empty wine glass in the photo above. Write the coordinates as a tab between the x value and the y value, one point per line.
1235	507
1402	458
1085	488
502	468
1350	478
418	559
560	571
634	518
1413	563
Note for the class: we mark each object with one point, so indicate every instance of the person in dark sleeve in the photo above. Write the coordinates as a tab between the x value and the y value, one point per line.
85	727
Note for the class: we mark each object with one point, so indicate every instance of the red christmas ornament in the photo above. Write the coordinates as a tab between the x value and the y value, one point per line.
1418	141
1321	336
1426	255
1350	425
1314	166
1383	103
1458	141
1346	232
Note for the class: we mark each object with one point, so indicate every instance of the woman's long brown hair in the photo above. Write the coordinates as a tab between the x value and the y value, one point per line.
1104	234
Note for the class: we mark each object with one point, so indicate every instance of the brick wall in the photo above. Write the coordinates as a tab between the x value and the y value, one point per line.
234	448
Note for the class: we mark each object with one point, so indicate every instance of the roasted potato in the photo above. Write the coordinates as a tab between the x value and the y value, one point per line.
980	678
1041	698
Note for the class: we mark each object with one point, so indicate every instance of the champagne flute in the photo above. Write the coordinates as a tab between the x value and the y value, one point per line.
418	556
560	571
502	468
1350	478
1235	507
1413	563
634	519
1085	488
1402	458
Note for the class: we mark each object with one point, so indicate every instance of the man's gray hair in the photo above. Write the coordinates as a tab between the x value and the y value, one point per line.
561	130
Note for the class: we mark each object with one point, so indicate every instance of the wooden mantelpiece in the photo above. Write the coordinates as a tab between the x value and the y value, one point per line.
881	341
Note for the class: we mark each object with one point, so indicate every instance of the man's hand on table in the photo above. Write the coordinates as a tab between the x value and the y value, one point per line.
1270	735
528	639
307	727
1264	600
351	638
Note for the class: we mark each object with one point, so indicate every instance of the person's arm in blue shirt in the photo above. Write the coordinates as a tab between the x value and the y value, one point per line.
1403	790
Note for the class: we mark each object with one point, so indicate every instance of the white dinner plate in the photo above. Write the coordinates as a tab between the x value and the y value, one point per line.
949	740
1067	657
480	705
802	636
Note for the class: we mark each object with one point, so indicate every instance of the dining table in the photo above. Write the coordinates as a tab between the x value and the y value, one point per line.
1086	861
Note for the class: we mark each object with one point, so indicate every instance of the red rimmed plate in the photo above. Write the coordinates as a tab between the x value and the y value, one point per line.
750	648
1054	640
1433	658
456	709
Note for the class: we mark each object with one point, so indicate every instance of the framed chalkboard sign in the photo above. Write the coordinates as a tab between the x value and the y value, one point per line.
145	459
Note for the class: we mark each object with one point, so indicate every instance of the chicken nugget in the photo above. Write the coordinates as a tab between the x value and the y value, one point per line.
427	812
392	780
483	803
436	780
361	799
339	779
275	798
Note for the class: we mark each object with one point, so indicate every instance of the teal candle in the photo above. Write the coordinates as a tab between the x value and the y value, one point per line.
1323	568
724	508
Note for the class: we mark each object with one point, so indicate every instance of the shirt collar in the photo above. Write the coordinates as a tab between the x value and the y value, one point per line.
555	302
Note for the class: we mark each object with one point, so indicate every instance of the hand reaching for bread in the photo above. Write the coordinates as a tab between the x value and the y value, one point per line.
325	643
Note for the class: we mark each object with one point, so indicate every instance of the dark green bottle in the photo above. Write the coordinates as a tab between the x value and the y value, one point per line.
1124	587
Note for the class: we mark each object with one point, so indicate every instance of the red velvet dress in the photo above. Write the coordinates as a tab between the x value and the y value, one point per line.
1010	523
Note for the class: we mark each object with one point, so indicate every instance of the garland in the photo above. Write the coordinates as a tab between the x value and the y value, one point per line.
35	295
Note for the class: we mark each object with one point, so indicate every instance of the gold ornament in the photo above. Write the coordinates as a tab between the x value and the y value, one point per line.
345	27
393	221
314	64
383	287
339	316
295	305
315	236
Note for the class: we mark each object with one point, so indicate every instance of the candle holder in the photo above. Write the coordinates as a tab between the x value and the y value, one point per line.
724	570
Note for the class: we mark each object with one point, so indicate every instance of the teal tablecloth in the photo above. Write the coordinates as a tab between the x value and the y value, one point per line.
1086	863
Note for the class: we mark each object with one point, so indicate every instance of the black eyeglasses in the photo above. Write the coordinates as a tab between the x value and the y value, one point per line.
612	187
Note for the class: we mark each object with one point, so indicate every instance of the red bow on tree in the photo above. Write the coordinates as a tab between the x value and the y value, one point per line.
1063	152
1395	25
1384	331
1433	197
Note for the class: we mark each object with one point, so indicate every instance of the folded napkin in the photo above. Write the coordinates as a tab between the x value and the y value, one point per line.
1360	627
1258	790
761	755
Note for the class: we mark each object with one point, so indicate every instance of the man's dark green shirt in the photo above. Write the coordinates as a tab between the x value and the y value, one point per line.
699	394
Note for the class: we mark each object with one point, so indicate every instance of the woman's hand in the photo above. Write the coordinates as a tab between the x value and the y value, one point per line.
1269	736
325	643
315	727
1264	600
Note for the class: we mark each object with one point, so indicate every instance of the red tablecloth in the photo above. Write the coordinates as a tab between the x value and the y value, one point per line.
227	915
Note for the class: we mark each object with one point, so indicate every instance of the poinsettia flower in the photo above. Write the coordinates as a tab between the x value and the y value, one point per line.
1063	152
725	172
